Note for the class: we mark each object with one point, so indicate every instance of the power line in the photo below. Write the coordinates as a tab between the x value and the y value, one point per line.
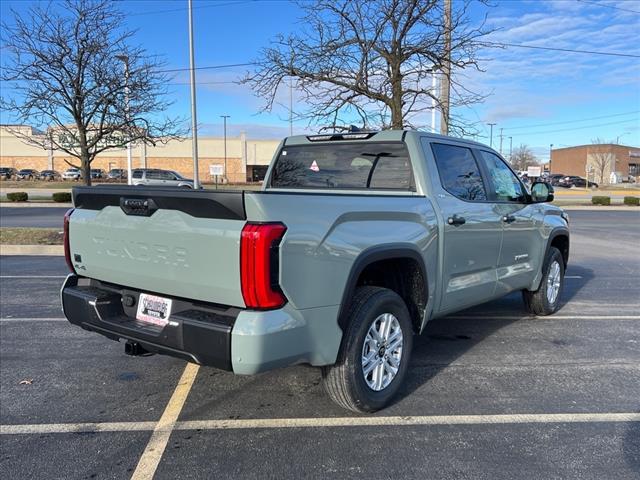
590	52
182	9
600	4
579	128
572	121
210	67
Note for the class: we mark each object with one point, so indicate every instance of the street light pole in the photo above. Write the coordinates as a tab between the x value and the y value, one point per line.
433	100
501	140
510	148
550	148
194	120
125	61
491	134
224	117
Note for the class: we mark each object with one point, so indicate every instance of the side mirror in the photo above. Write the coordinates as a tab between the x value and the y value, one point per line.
541	192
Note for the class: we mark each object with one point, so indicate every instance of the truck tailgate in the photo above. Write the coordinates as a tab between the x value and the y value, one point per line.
177	242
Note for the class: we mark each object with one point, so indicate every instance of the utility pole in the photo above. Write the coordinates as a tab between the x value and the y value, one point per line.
501	139
433	99
550	148
125	59
510	148
446	71
224	117
194	120
491	134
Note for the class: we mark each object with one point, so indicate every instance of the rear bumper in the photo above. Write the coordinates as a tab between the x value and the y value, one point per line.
228	338
196	333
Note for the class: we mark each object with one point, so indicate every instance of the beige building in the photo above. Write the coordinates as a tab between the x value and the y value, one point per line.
247	159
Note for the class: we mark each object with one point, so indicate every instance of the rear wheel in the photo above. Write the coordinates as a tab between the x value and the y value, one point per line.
546	299
375	353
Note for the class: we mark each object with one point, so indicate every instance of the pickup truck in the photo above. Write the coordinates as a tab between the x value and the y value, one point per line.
354	243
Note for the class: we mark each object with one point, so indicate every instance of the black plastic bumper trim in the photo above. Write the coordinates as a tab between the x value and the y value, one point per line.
196	332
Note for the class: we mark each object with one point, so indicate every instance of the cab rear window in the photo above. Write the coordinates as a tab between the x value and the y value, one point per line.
340	166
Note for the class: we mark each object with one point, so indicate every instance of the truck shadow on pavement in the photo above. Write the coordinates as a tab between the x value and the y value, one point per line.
447	339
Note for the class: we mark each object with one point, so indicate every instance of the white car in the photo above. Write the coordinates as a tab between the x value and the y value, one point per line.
72	174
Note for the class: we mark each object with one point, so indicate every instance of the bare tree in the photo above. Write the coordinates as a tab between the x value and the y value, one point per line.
522	158
66	72
600	156
370	60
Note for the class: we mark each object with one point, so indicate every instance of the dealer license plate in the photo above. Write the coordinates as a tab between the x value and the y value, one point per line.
153	309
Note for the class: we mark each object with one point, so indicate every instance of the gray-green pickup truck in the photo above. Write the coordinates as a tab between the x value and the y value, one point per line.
353	244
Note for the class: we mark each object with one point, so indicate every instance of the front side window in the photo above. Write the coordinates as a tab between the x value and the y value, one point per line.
505	184
459	172
137	174
381	166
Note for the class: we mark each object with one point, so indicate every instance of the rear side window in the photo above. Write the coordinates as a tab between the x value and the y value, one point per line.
379	166
459	172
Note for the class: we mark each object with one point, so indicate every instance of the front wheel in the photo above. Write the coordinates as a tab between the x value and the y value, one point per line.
375	352
546	299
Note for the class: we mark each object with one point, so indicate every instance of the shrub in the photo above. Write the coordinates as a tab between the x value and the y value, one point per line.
17	197
633	201
63	197
600	200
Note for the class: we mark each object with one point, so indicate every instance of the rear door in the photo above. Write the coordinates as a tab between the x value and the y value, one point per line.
176	242
472	229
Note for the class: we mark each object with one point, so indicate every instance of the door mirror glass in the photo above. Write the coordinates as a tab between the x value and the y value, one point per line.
541	192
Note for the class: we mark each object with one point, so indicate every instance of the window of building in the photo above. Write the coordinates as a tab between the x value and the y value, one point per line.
459	172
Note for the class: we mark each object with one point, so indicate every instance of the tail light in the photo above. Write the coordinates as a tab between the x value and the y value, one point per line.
259	265
67	249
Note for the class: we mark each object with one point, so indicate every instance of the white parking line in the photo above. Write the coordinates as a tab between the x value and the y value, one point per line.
164	429
41	319
572	277
152	454
33	276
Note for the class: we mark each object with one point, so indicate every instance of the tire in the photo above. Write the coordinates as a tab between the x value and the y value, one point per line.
345	382
542	301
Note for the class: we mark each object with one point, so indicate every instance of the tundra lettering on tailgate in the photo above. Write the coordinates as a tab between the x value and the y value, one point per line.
142	252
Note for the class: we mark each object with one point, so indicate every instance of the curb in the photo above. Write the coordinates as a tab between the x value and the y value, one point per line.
602	208
35	204
57	250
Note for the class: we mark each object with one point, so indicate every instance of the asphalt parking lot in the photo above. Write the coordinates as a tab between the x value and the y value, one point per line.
491	393
37	217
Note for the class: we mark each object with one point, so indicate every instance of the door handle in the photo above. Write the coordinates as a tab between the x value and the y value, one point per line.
456	220
509	219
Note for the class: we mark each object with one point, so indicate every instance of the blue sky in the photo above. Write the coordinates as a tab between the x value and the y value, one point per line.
538	97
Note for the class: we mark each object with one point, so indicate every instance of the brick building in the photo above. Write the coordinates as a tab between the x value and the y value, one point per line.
598	160
247	160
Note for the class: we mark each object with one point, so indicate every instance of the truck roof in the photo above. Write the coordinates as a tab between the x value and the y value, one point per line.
364	136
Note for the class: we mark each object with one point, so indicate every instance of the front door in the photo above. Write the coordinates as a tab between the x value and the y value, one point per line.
472	231
520	253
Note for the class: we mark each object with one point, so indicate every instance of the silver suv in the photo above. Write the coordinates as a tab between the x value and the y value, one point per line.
157	177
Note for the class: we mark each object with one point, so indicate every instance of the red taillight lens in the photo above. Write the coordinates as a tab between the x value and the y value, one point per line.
67	249
259	265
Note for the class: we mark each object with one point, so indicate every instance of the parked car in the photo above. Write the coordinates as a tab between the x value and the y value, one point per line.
97	173
72	174
555	178
355	242
7	173
157	177
50	175
576	181
27	174
117	174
